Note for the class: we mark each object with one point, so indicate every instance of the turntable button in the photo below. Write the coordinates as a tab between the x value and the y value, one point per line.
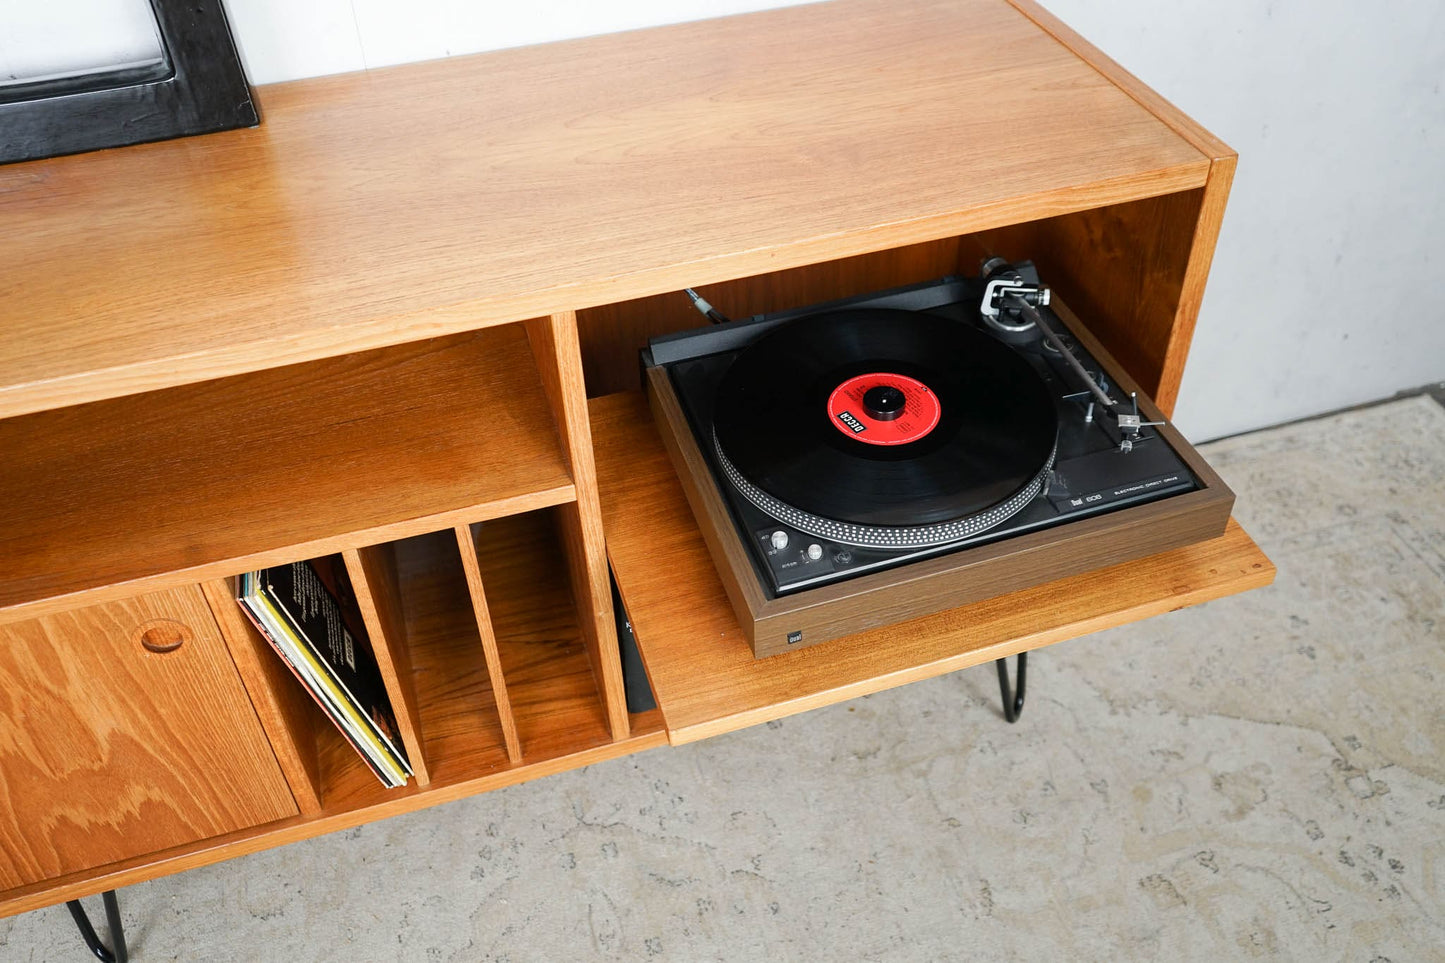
815	552
780	540
843	557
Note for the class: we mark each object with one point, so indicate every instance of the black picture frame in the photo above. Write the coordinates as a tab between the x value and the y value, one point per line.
200	89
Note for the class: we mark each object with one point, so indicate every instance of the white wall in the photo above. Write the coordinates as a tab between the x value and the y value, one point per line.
69	37
1329	277
286	39
1327	285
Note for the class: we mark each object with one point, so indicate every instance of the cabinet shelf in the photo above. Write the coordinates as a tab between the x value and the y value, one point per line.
102	500
699	662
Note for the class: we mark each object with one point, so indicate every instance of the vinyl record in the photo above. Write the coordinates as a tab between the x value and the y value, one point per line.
884	427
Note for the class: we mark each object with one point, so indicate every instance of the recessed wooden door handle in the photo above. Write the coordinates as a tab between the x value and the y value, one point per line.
162	635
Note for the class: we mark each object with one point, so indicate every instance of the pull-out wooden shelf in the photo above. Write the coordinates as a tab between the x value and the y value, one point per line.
702	670
104	500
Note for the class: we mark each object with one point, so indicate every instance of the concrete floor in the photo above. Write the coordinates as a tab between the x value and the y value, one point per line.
1259	777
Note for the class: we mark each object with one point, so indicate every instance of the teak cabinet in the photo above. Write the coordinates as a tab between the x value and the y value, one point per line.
398	323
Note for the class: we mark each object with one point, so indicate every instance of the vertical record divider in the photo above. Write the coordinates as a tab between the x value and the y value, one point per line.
559	362
372	570
288	716
467	545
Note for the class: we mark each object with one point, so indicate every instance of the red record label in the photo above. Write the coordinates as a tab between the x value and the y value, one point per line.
882	408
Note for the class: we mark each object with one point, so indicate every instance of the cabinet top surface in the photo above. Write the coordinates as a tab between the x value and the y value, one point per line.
390	205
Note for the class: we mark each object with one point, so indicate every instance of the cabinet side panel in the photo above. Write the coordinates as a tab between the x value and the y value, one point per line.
1197	232
124	729
1191	295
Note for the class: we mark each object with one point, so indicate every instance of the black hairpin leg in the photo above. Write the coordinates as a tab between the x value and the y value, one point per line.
112	919
1013	705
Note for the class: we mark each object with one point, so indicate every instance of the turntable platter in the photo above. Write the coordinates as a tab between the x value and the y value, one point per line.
882	427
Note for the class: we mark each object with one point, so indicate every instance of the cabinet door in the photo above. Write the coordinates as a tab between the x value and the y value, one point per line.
124	729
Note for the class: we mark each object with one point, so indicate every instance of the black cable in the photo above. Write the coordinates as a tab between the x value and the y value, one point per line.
707	310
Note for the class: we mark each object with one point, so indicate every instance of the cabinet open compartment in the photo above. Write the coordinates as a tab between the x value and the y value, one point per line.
325	772
478	634
457	712
1130	271
555	695
106	499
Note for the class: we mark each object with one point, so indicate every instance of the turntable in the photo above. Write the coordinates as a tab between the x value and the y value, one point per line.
877	459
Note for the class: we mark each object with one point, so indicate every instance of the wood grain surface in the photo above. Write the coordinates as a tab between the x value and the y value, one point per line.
702	670
102	500
390	205
454	693
108	750
1177	121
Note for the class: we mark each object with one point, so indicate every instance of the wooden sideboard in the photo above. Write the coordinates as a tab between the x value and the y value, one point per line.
398	322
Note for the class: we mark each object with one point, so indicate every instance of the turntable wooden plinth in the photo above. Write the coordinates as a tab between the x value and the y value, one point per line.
777	624
401	277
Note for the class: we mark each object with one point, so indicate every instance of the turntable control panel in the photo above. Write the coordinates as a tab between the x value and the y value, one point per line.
793	555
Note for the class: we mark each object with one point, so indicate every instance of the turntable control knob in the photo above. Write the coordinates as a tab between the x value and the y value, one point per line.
815	552
779	540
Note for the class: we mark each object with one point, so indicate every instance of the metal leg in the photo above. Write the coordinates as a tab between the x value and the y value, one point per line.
112	919
1013	705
